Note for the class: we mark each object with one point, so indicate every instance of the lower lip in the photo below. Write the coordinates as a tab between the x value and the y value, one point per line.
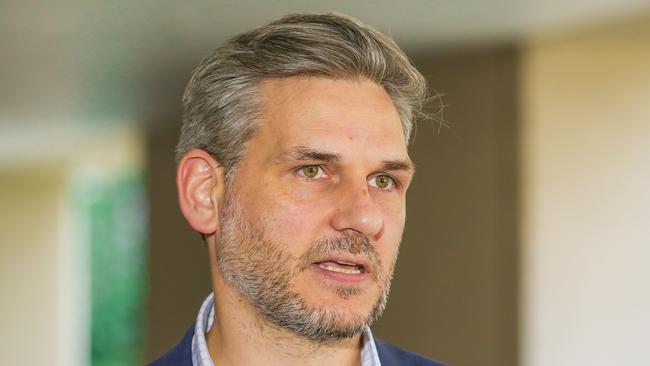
340	277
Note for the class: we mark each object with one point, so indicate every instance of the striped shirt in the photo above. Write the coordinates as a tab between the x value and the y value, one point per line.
201	356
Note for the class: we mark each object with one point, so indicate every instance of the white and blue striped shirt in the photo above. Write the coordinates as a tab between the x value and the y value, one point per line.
201	356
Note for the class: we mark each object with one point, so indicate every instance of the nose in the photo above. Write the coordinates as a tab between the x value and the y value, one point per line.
357	211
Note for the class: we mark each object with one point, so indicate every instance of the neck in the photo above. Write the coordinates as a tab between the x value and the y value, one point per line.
240	336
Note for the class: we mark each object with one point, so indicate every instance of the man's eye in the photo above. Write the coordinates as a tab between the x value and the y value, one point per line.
311	171
384	182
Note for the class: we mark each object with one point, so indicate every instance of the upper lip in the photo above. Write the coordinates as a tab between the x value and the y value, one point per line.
357	261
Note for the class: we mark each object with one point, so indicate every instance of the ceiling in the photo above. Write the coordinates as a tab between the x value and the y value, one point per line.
89	63
420	22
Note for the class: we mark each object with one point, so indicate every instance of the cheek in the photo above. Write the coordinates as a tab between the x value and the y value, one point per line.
393	229
291	216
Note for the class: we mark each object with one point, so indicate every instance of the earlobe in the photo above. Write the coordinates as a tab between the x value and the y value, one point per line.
200	181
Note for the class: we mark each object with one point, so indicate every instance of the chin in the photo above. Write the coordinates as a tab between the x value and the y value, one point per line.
352	307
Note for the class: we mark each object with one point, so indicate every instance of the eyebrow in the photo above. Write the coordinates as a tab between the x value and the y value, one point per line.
304	153
393	165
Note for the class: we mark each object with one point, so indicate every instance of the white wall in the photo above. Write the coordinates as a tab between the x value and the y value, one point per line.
586	198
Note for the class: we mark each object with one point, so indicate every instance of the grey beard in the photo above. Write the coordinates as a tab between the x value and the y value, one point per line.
256	267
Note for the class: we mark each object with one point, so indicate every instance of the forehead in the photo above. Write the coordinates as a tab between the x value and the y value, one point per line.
330	114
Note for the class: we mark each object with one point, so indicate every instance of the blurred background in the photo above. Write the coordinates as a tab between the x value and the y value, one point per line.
527	238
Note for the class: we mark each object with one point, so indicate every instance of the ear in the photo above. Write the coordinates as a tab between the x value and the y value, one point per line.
201	181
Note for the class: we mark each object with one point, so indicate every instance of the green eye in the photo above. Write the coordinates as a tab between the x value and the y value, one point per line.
383	181
310	171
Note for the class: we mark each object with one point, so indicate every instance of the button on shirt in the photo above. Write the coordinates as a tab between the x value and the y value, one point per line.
201	356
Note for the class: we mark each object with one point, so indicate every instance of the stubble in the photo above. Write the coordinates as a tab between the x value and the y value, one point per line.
263	273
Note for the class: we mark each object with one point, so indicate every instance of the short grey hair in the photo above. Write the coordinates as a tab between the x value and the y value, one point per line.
222	100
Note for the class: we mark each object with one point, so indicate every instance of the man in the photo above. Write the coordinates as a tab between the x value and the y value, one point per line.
293	165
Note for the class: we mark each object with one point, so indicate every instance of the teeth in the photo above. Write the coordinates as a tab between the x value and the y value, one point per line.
346	263
334	268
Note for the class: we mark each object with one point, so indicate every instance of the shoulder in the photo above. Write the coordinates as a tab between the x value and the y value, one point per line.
180	355
390	355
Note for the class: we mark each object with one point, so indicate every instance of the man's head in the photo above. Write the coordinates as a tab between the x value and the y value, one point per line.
223	98
293	163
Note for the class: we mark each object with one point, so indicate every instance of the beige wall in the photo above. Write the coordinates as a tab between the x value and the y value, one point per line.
586	178
44	267
28	265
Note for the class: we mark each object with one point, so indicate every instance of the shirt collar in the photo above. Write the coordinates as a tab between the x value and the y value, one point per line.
201	356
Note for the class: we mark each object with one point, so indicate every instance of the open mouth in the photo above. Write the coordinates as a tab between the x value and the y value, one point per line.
342	267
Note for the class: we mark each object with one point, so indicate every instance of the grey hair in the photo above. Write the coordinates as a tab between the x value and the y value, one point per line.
222	99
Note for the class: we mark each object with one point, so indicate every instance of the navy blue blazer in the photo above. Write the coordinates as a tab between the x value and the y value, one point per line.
389	355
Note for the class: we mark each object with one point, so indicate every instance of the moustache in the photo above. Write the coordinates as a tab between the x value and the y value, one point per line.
350	243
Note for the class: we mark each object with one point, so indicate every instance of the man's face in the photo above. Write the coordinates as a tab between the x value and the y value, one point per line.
312	222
